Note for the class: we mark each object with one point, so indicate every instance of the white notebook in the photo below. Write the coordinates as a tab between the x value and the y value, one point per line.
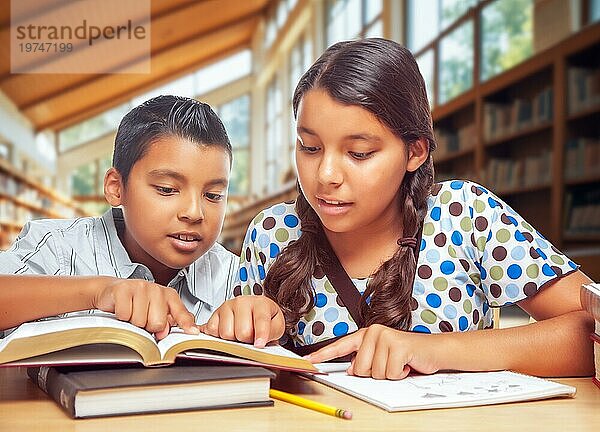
442	390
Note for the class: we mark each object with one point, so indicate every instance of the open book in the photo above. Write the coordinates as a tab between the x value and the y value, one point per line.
443	389
102	339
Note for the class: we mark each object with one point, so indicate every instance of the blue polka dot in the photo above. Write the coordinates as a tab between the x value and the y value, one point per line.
511	290
518	253
418	288
470	289
301	327
278	210
446	224
450	312
461	278
492	202
547	270
541	253
463	323
320	300
290	221
261	272
253	234
477	300
433	256
434	300
542	243
514	271
447	267
519	236
331	314
470	251
243	274
436	213
273	250
540	234
512	220
482	270
572	265
456	185
482	189
263	240
308	339
486	307
423	244
471	212
340	329
421	329
457	238
489	236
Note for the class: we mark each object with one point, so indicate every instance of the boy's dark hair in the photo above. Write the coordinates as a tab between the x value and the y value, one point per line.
165	116
382	77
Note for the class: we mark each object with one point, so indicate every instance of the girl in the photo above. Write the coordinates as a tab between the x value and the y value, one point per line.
376	255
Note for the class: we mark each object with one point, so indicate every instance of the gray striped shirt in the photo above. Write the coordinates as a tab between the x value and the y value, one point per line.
90	246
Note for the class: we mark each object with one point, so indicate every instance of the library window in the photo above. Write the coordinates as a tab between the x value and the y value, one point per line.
351	19
506	36
455	69
425	62
277	20
236	118
273	128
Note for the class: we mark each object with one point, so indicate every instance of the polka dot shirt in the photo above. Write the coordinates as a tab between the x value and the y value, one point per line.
475	253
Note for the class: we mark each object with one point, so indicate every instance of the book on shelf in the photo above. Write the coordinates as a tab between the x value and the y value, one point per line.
442	389
96	392
583	88
102	339
582	210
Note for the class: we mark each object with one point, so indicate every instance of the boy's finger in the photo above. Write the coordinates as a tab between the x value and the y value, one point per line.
183	317
162	333
340	348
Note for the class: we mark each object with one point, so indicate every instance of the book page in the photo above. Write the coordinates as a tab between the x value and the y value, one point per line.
445	390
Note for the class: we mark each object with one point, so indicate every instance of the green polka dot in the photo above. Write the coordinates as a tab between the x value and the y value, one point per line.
282	235
440	283
496	273
350	319
428	229
480	325
258	218
476	278
445	197
478	205
466	224
503	235
526	226
494	303
452	251
246	290
481	241
467	306
532	271
428	316
310	315
328	287
557	259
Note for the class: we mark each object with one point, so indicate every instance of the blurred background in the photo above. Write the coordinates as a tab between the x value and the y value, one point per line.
514	87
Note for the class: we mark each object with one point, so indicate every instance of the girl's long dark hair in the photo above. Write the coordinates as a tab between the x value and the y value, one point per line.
382	77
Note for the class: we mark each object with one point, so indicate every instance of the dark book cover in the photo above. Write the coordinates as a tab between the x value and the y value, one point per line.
66	385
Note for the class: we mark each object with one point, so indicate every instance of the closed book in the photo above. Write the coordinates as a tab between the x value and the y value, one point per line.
590	299
97	392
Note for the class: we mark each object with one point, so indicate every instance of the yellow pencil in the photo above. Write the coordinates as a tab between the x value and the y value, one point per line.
306	403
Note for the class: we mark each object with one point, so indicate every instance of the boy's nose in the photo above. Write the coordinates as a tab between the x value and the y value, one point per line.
192	211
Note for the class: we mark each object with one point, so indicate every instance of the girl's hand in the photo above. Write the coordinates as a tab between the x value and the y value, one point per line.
145	304
383	353
249	318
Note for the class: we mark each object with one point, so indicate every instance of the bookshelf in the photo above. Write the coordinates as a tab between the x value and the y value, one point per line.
22	199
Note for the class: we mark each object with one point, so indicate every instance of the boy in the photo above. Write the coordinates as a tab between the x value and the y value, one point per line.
152	258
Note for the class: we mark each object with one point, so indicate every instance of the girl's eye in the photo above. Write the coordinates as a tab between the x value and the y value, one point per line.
307	149
361	155
165	190
215	196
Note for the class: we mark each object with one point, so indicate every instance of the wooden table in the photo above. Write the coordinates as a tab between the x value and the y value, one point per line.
25	408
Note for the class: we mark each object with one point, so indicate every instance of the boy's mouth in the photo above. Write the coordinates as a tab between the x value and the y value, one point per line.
185	242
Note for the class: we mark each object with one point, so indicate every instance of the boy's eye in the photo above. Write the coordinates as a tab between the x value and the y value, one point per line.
163	190
215	196
361	155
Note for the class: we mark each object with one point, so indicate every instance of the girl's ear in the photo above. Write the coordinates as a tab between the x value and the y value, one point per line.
113	187
417	154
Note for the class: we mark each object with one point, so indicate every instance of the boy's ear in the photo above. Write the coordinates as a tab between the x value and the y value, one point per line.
417	154
113	187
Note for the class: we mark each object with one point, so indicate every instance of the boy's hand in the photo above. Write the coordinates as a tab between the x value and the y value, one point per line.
249	318
145	304
382	352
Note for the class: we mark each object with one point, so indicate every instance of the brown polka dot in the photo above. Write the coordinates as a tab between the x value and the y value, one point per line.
290	202
237	291
257	289
318	328
465	264
339	301
413	304
446	327
248	254
530	289
528	236
263	257
424	271
495	290
534	254
499	253
455	208
476	190
557	270
440	239
473	240
481	223
556	251
319	273
455	294
435	189
268	223
476	316
505	220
